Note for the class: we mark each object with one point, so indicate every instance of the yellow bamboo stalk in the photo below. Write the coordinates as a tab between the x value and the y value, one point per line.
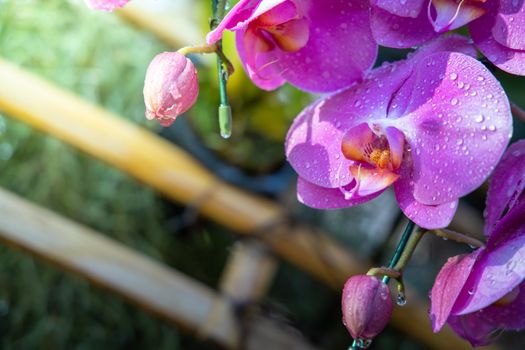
174	173
248	273
145	282
174	24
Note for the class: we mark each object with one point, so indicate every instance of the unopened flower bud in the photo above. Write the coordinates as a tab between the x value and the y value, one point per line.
170	88
106	5
367	306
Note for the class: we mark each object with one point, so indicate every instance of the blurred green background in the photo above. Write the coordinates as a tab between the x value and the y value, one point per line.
103	59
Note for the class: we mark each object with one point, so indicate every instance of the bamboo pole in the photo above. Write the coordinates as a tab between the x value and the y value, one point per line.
149	284
175	174
248	273
154	287
173	23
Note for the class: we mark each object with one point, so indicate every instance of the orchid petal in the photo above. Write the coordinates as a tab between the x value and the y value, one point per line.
259	60
396	142
369	181
500	268
506	186
449	283
457	124
474	328
408	8
329	198
329	61
427	216
452	15
355	141
274	12
238	17
106	5
509	24
291	36
400	32
504	57
480	327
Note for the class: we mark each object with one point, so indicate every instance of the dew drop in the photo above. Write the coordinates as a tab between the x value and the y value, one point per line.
492	127
453	76
454	101
479	119
401	299
363	343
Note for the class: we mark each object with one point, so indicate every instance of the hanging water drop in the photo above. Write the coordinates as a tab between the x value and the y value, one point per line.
401	299
363	343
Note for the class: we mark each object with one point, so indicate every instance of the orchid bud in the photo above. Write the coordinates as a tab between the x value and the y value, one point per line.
170	88
367	307
106	5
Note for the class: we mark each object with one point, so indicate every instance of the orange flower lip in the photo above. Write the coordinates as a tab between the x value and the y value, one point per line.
381	149
377	155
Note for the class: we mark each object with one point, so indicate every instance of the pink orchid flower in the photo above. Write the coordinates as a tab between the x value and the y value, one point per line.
316	45
106	5
434	126
480	293
496	26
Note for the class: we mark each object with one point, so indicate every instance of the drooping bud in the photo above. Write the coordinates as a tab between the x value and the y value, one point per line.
367	307
171	87
106	5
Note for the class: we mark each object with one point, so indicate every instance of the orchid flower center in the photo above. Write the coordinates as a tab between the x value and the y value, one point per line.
282	26
376	154
448	15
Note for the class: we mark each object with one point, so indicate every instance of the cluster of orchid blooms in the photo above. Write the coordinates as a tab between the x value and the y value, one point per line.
434	126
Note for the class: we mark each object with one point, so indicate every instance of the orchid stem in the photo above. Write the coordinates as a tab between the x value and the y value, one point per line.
225	114
384	271
204	48
400	248
517	111
458	237
411	245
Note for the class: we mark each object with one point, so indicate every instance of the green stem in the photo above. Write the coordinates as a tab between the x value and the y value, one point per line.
225	115
205	48
458	237
400	248
409	248
383	271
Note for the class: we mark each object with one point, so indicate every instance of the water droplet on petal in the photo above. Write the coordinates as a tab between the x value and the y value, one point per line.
453	76
454	101
479	119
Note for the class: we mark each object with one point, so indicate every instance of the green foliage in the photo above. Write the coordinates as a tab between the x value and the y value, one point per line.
103	60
